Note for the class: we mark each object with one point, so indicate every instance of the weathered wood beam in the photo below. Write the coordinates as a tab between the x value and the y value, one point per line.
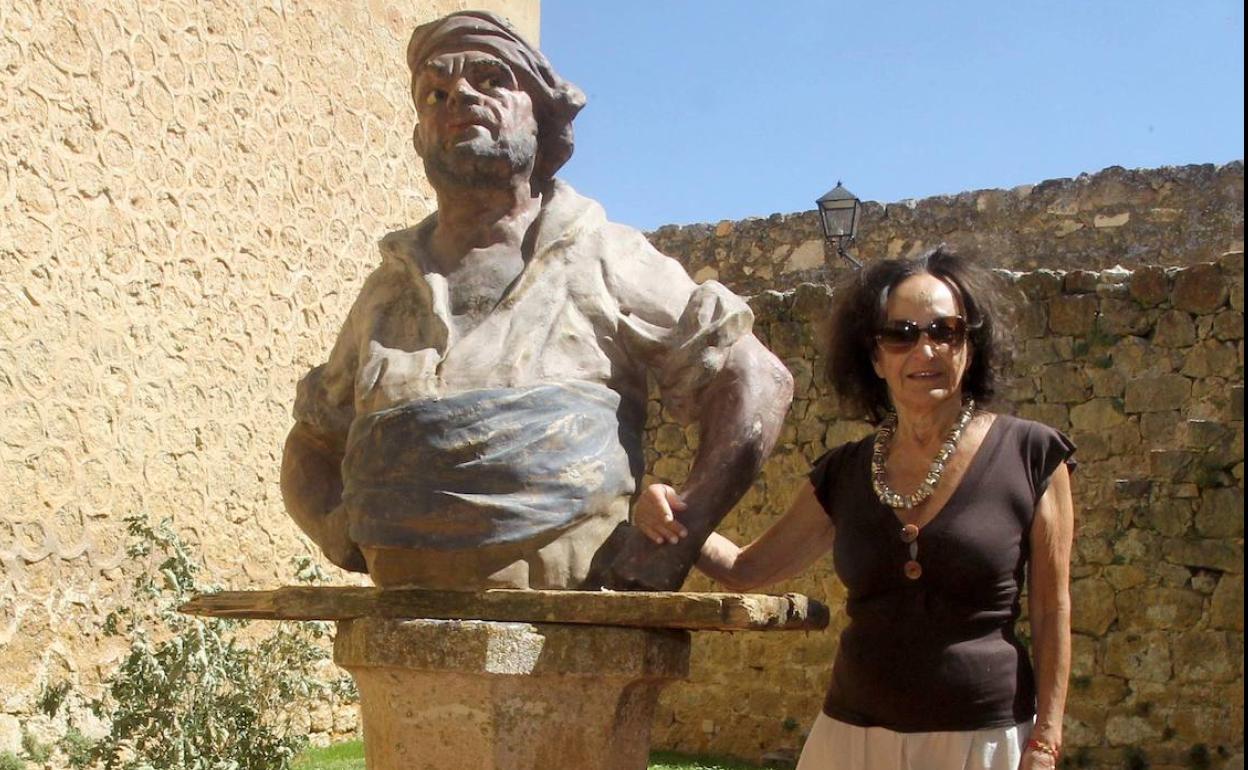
690	611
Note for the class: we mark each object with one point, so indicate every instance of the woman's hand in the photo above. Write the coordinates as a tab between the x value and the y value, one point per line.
655	514
1036	760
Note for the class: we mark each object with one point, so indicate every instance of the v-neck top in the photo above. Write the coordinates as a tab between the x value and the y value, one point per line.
939	652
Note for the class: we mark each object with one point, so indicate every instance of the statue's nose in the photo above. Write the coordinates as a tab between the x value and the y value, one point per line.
462	92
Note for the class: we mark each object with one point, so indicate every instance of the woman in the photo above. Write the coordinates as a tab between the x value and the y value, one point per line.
933	523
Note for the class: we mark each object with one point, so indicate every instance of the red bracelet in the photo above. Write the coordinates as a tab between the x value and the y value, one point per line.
1044	748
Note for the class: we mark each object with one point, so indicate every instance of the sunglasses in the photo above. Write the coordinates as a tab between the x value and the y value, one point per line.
900	336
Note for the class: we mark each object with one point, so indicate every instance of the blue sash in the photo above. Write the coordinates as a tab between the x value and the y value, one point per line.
487	467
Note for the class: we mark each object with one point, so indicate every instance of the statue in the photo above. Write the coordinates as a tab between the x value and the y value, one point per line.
478	421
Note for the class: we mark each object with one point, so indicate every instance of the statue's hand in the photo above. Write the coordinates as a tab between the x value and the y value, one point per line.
337	545
655	514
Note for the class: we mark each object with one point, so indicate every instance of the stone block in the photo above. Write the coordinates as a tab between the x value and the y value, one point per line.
1237	402
1207	656
1092	550
1161	428
1172	464
1083	648
1165	517
1045	350
1174	329
1107	383
1131	729
811	301
1073	315
1093	610
1212	358
669	439
1221	513
1040	284
1080	282
1124	576
1199	289
1221	555
1231	263
480	696
1229	325
1137	656
1053	415
1153	608
1097	415
1132	489
1065	383
1156	393
1031	320
1120	317
1137	357
1136	546
1226	607
1149	285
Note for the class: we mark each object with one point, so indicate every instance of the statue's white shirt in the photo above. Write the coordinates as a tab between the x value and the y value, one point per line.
595	302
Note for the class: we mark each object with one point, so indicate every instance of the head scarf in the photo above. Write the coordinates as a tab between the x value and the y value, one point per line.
555	101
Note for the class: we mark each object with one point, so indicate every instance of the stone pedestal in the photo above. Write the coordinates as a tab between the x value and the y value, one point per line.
528	680
487	695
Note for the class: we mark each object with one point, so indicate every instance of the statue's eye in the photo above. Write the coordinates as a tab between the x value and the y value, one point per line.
492	82
434	96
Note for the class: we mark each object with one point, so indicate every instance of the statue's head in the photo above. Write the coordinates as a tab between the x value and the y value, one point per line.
487	101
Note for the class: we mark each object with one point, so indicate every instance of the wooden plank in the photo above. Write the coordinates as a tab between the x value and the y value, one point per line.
690	611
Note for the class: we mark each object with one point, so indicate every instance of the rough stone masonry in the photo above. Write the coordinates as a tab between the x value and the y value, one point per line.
1142	365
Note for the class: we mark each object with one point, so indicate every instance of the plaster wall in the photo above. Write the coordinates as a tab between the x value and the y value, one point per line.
190	196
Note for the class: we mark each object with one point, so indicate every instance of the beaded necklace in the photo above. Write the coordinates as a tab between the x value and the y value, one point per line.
910	532
925	489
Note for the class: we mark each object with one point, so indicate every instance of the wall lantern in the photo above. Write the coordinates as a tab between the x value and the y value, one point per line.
838	213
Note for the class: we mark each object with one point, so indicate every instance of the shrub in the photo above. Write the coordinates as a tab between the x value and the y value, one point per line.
190	693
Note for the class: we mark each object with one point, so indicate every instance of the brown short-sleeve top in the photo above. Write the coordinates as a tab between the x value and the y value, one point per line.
939	652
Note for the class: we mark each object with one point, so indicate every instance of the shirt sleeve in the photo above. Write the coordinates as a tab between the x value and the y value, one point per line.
825	474
1047	448
325	397
681	330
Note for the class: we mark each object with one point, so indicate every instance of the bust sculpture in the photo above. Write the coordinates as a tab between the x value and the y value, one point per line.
478	421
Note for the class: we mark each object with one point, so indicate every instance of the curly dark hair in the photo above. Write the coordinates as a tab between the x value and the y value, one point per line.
858	307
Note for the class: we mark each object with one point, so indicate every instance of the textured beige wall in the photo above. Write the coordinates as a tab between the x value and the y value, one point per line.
190	194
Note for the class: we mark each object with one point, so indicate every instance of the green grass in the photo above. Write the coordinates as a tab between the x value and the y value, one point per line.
340	756
350	756
667	760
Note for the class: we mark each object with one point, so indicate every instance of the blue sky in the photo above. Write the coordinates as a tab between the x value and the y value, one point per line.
701	111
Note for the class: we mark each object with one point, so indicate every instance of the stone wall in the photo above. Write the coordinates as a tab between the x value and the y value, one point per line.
1143	368
1166	216
190	194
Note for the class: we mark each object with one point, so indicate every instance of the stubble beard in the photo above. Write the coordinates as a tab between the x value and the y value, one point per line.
481	162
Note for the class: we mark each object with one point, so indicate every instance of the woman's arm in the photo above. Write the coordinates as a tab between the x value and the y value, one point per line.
788	546
1052	532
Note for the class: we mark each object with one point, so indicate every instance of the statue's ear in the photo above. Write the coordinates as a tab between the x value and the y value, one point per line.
416	141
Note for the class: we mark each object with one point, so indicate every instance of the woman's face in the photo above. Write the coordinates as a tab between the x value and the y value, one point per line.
928	373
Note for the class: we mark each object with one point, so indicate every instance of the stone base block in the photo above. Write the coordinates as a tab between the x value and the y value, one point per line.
480	695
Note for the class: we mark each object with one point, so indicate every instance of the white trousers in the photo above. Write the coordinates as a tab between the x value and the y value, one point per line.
835	745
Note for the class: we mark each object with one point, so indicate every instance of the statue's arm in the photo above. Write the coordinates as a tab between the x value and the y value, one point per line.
743	409
312	491
311	478
738	397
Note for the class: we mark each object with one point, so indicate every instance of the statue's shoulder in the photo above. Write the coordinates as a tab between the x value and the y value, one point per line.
408	242
581	218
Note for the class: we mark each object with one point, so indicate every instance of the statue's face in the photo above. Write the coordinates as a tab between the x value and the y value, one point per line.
475	121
